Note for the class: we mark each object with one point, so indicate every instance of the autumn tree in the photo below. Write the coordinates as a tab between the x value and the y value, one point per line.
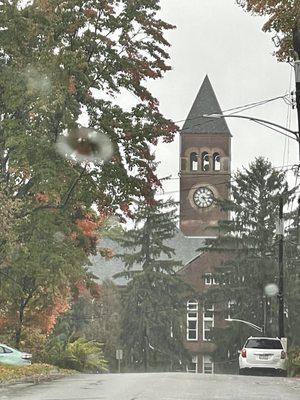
8	228
36	285
95	316
283	20
62	63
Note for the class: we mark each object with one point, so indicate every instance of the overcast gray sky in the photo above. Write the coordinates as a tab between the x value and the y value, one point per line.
216	37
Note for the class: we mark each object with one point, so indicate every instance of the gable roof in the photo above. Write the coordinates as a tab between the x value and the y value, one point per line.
205	103
185	249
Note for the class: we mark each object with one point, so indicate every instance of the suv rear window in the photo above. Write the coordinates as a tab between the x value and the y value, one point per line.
263	344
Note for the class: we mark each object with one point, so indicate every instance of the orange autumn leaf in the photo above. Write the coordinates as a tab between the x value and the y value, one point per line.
71	85
107	253
89	12
87	227
73	236
41	197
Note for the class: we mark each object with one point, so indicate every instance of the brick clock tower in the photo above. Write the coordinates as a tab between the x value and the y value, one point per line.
205	154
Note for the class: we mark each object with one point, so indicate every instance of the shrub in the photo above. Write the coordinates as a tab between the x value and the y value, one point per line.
294	361
82	355
86	356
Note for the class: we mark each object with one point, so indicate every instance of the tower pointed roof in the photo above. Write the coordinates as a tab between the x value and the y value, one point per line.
205	103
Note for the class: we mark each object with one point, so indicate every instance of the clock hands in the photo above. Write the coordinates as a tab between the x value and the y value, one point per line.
203	197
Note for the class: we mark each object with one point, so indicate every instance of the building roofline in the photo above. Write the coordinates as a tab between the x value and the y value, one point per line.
205	103
193	259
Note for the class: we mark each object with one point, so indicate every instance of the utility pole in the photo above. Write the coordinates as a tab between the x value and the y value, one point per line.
296	45
146	344
264	315
280	271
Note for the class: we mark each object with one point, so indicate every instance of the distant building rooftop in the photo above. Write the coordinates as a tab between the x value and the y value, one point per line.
185	250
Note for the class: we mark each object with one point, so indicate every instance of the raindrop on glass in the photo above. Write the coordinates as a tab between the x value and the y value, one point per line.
85	144
14	255
59	237
36	82
271	289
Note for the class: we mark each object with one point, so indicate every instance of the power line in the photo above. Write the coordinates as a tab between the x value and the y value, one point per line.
282	168
245	106
276	130
260	104
211	119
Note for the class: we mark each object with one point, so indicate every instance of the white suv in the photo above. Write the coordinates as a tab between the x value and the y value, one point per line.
262	353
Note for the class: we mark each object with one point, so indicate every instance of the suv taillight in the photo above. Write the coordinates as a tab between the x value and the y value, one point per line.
244	353
283	355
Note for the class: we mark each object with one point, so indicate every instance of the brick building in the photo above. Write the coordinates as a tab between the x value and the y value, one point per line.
205	155
202	316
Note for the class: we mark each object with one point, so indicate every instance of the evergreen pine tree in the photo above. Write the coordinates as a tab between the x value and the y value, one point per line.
292	280
249	238
153	303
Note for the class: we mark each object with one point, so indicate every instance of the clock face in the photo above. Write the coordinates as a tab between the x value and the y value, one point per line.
203	197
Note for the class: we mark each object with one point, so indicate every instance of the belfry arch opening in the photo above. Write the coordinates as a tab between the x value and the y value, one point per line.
193	161
216	162
205	161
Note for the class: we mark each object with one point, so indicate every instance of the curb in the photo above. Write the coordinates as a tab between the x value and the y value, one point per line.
35	379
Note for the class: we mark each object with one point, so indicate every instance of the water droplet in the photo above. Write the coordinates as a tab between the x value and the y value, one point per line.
271	289
37	82
14	255
85	144
59	237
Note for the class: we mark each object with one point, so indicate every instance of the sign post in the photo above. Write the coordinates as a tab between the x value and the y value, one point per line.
119	357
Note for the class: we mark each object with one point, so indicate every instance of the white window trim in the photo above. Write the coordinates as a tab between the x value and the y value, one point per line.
207	319
195	360
192	307
209	279
193	303
204	361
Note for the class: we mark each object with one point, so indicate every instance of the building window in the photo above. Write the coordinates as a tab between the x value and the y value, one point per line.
208	365
194	162
205	161
216	162
209	279
193	365
192	320
208	320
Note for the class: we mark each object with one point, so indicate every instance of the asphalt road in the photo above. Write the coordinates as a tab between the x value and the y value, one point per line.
158	386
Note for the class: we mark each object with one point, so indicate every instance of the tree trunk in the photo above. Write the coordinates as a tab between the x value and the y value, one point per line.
19	328
18	331
145	350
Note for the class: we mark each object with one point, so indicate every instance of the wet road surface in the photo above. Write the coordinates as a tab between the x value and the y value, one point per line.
158	386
